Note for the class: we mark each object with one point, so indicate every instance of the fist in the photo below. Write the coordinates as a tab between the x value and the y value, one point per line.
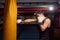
19	21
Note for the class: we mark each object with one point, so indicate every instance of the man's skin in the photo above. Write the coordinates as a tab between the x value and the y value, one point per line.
46	23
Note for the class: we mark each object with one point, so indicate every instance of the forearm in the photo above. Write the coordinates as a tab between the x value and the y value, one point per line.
43	28
30	20
26	20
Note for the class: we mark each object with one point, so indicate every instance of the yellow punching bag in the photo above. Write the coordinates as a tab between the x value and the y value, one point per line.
9	24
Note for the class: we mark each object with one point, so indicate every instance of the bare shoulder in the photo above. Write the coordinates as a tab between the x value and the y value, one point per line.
48	20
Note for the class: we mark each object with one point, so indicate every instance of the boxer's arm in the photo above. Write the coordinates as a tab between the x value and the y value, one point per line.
30	20
45	25
26	20
19	21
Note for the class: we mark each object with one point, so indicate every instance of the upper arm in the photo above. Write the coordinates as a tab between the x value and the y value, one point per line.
46	24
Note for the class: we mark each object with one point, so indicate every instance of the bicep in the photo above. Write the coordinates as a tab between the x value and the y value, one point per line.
47	23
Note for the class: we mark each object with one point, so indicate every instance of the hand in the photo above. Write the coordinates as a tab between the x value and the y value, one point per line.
19	21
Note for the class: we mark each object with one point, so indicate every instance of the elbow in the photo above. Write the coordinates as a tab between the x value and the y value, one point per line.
43	28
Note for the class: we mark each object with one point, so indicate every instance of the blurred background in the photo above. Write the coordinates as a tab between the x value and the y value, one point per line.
26	9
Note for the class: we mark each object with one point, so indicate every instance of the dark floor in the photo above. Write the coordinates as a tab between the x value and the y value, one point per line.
0	35
29	33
